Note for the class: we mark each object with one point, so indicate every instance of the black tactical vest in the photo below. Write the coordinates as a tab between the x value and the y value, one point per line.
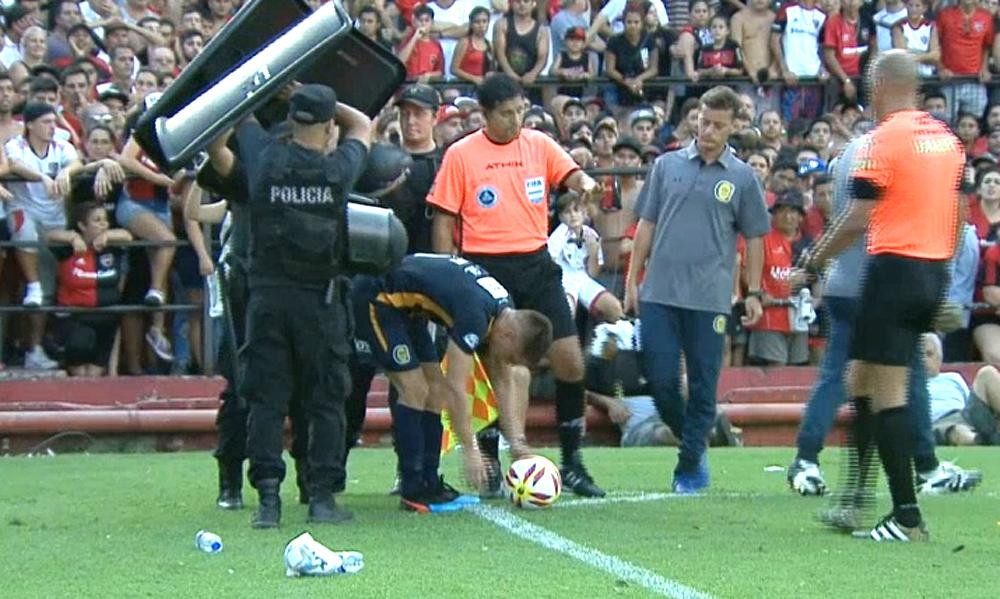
298	219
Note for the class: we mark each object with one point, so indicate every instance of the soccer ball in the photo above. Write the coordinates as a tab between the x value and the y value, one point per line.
809	481
533	482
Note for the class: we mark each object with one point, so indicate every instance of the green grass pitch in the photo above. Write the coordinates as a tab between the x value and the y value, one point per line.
123	525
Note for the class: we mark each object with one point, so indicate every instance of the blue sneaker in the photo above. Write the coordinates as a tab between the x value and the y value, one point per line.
692	483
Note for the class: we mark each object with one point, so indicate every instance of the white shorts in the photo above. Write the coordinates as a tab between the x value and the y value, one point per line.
25	226
581	290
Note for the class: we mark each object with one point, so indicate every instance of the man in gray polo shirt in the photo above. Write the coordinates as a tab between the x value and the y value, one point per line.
691	208
840	297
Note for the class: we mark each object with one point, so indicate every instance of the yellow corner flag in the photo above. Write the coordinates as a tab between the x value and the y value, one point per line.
482	404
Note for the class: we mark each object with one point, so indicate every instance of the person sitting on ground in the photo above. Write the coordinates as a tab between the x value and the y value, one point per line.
576	248
90	275
961	416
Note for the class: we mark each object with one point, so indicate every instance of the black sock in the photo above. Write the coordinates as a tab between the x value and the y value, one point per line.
569	414
925	463
894	432
860	446
409	427
489	442
432	447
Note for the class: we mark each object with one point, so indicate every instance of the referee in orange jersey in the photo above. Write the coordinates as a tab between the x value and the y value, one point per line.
905	183
492	197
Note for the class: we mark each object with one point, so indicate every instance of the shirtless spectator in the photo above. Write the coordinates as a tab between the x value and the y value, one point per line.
751	29
9	128
616	215
795	42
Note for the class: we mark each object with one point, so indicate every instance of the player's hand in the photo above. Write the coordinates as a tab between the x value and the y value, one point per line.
79	245
205	266
619	413
850	90
631	299
50	186
754	311
948	317
113	171
797	279
475	467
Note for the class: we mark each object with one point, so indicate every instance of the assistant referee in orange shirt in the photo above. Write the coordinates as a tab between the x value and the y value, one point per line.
492	198
905	181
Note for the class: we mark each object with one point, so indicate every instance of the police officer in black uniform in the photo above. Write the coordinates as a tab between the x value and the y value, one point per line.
298	325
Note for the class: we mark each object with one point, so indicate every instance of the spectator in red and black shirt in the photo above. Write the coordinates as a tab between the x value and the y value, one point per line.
422	54
985	324
723	58
966	33
90	275
847	37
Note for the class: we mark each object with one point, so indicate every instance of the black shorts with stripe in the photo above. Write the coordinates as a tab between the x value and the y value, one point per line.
534	282
900	297
391	338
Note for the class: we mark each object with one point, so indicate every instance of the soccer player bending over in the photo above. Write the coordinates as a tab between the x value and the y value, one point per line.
392	313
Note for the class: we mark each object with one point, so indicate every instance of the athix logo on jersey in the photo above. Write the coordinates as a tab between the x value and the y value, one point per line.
724	191
487	196
534	188
505	164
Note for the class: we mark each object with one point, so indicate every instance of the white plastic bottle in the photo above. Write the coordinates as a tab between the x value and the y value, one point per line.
209	542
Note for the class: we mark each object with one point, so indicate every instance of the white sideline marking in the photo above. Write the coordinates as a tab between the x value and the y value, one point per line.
615	566
637	498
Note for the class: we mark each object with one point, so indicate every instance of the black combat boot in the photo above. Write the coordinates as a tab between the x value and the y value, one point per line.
268	514
323	509
230	486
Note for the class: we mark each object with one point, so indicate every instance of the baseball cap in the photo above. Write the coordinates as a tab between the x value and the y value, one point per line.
448	112
575	33
986	159
420	94
573	101
113	93
643	114
466	104
312	103
813	166
792	197
627	141
36	110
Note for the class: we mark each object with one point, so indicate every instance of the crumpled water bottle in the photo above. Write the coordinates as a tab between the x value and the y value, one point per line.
305	556
215	307
803	312
209	542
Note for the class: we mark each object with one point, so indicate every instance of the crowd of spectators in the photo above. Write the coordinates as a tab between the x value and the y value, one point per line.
616	84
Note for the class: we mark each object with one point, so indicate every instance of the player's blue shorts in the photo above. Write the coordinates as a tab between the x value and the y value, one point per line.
393	339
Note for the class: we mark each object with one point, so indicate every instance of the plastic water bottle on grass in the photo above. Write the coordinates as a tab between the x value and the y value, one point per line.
209	542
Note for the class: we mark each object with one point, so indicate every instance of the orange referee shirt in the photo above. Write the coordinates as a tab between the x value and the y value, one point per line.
918	163
500	192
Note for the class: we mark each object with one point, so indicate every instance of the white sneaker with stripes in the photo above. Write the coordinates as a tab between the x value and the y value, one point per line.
889	529
947	478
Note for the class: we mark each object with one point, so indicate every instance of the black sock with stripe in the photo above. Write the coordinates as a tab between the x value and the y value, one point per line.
569	414
894	433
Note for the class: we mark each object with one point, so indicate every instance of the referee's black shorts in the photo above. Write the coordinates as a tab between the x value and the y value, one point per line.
535	283
900	297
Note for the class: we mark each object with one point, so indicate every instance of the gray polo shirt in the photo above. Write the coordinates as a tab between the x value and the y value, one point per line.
843	278
697	210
